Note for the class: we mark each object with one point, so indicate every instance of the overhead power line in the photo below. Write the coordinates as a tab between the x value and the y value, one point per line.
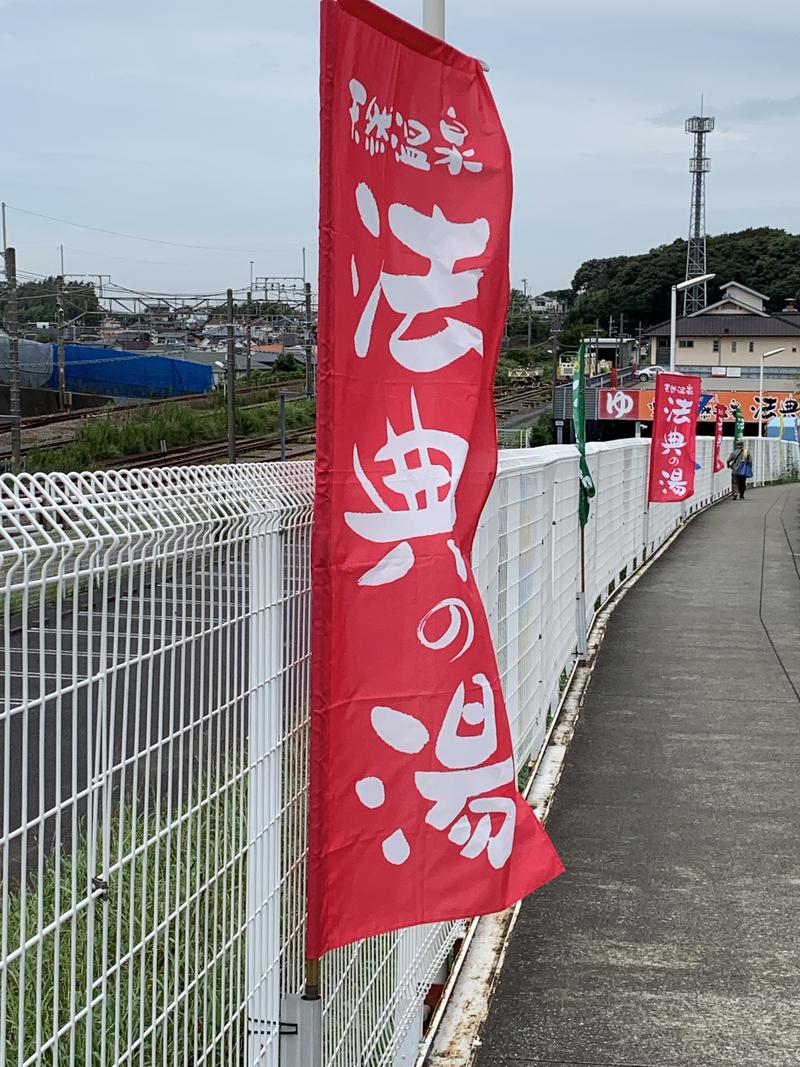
138	237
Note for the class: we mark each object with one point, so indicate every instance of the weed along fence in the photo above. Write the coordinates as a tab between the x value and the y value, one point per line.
154	748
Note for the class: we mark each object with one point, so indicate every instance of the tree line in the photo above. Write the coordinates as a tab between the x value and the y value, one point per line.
638	286
36	301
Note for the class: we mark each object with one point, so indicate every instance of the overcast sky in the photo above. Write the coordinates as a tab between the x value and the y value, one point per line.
196	123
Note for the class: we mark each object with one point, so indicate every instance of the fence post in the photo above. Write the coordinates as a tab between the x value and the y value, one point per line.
407	1048
580	604
264	791
15	404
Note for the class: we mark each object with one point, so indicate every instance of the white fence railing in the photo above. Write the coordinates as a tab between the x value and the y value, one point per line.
154	747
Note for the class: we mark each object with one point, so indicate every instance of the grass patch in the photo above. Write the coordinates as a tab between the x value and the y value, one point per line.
100	441
186	961
524	776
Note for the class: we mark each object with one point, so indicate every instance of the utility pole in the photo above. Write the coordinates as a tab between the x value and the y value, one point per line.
15	407
556	331
248	335
231	383
309	358
5	231
621	361
62	376
528	303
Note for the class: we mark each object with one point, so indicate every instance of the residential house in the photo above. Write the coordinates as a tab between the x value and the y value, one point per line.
729	337
545	306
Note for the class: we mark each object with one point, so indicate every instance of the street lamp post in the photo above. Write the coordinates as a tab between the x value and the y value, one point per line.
673	314
773	352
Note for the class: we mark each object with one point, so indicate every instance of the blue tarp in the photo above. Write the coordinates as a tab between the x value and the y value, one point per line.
114	372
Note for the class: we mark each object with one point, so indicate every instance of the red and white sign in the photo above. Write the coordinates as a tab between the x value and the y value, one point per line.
719	429
415	815
674	442
619	404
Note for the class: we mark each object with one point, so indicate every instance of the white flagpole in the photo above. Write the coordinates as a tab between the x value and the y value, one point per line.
433	17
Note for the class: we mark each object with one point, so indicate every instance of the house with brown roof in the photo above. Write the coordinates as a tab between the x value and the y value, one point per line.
729	337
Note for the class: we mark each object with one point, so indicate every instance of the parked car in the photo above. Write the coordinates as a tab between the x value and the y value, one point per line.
649	374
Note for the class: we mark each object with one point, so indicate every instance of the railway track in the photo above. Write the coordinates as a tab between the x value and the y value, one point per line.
33	422
297	446
509	399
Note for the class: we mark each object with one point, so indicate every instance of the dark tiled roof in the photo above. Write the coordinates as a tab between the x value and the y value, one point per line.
730	326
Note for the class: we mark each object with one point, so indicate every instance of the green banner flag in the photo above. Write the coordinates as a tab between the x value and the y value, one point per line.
738	425
579	422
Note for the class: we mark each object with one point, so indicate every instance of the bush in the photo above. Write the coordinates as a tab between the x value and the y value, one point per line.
543	431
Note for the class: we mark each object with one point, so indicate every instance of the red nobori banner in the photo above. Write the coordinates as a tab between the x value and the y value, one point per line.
415	815
719	430
674	441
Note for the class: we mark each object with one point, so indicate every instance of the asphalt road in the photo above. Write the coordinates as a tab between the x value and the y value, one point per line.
132	700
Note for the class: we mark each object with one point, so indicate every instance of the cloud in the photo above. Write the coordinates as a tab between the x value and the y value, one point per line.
765	109
193	122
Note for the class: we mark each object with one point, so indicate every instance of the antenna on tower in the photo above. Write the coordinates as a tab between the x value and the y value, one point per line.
694	298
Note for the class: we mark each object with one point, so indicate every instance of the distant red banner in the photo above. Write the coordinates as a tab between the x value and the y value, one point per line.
719	430
415	815
673	445
619	404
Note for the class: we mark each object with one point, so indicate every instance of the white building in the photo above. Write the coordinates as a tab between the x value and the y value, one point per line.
546	306
733	333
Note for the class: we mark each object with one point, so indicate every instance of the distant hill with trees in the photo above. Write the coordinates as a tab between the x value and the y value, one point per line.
639	286
36	301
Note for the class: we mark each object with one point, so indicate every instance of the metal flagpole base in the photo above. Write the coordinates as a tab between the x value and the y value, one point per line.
580	619
301	1032
646	533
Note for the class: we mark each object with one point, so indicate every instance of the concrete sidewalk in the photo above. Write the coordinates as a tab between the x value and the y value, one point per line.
673	940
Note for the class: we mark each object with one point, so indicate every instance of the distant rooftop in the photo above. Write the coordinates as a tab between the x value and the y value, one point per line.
731	325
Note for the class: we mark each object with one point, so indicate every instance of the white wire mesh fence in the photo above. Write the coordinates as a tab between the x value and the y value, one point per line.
154	747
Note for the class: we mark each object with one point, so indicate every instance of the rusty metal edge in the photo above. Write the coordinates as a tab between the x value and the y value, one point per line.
453	1036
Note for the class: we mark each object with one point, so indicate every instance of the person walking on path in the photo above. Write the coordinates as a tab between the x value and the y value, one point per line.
741	468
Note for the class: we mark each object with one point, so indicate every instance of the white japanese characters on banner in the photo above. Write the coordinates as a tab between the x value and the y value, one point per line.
415	815
673	445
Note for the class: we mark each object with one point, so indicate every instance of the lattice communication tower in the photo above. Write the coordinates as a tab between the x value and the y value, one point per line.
694	298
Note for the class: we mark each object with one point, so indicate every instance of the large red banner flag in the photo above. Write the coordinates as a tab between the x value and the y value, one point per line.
719	429
415	815
673	446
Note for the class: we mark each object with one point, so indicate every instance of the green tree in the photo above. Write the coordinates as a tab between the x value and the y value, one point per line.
571	336
766	259
36	302
517	319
